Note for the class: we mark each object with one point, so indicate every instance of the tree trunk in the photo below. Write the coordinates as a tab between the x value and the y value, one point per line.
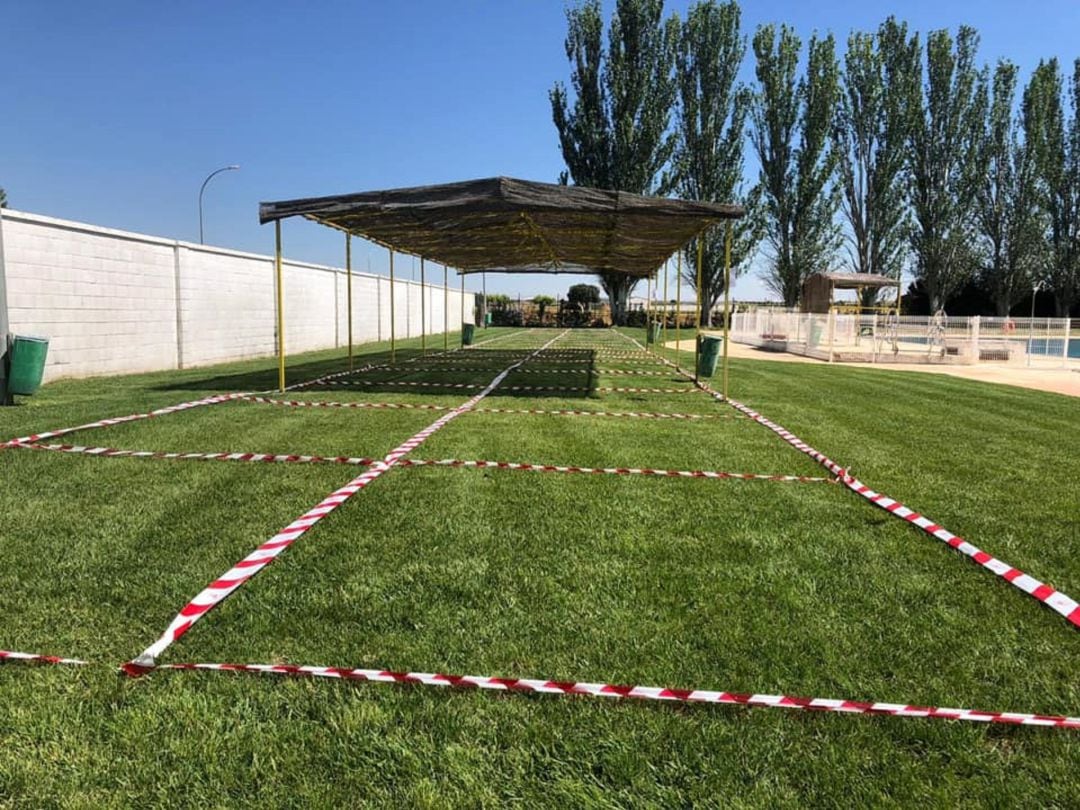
618	287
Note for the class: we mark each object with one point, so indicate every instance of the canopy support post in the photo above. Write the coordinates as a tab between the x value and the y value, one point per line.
393	336
697	305
666	269
446	311
483	315
280	306
423	309
727	304
648	302
348	291
678	309
462	275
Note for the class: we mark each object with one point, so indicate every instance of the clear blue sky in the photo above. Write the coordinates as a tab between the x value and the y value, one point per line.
113	112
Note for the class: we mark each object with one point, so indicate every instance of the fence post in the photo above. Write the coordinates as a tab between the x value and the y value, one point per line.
832	332
1065	344
976	327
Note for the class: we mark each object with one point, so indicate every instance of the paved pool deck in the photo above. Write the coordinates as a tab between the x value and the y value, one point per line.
1056	381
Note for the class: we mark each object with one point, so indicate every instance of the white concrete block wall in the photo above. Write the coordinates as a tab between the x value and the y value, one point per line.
226	306
365	308
310	308
105	300
114	302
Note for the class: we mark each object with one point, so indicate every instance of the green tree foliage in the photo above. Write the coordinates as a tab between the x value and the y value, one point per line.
615	133
943	165
587	294
708	159
798	198
870	136
1007	209
1055	143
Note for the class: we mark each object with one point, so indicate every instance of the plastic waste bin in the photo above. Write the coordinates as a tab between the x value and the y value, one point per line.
27	364
653	335
708	354
468	330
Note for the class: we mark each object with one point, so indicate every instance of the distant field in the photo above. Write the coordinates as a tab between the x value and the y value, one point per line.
757	586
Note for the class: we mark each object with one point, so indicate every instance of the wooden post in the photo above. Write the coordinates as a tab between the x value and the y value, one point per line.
446	310
423	309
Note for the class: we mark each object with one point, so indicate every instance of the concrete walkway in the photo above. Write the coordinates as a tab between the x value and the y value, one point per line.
1056	381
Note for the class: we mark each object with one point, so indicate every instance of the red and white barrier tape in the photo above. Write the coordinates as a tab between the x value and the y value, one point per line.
35	658
422	406
404	383
266	458
119	420
573	388
547	687
562	468
269	458
1054	599
221	588
1057	601
621	390
627	414
365	405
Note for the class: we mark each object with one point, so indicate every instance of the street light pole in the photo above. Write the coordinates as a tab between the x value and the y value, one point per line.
209	177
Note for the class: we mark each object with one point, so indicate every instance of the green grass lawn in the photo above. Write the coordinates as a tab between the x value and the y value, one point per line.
745	586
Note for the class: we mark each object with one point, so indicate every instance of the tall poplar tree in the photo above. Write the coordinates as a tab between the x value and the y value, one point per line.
792	124
1010	222
1056	145
871	139
943	165
615	133
711	131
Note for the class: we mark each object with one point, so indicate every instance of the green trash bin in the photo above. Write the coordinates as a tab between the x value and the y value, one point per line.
468	330
653	333
26	364
487	319
708	354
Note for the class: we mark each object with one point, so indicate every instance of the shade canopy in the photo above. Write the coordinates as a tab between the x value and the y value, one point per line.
505	225
858	281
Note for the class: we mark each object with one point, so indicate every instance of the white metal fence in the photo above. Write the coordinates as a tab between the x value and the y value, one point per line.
881	338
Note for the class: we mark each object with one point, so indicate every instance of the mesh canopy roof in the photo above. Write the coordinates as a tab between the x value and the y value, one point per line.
519	226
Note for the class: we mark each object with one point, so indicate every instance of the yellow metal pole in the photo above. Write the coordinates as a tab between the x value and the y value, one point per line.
446	310
727	303
462	309
348	290
666	268
648	310
678	308
393	341
423	309
697	305
280	306
483	280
